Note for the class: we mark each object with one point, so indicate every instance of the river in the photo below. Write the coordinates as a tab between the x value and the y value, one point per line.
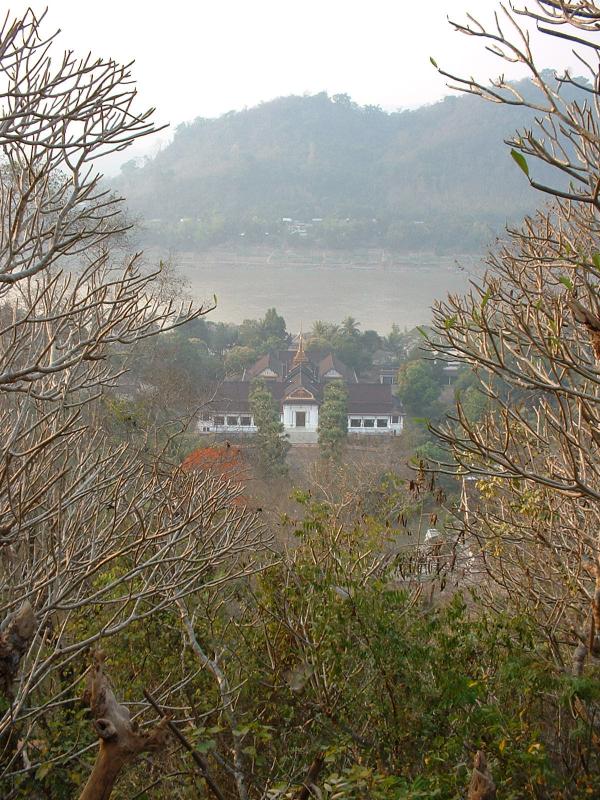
374	286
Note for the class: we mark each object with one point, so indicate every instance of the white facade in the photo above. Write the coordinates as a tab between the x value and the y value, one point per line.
221	423
369	424
375	423
305	416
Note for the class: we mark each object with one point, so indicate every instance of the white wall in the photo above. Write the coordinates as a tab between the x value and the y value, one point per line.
312	422
209	426
396	428
312	416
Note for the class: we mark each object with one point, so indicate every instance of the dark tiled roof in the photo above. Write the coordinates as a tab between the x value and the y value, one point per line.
302	380
282	363
363	398
372	398
232	396
268	361
329	362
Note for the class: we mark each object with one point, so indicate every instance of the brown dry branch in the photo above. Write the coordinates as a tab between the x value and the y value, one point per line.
565	134
95	536
16	633
120	739
198	757
533	519
530	331
311	777
579	656
228	700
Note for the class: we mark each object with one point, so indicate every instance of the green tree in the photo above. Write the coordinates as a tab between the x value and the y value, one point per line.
238	358
350	350
221	336
350	326
273	326
250	333
264	334
418	389
474	403
271	444
371	341
316	344
397	692
320	329
394	339
333	420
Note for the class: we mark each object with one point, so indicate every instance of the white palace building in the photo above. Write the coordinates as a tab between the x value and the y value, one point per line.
296	383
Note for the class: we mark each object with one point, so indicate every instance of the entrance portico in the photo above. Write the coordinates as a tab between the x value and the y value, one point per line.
303	417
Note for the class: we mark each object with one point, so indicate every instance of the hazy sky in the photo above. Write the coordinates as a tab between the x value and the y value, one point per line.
206	57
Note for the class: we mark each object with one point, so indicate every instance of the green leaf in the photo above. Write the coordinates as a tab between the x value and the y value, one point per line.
76	777
566	282
520	159
450	322
433	61
43	770
485	299
215	729
596	260
204	747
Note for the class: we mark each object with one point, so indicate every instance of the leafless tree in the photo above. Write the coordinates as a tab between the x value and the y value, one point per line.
93	536
531	332
565	134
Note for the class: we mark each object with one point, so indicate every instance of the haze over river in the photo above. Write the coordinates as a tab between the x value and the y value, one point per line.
376	287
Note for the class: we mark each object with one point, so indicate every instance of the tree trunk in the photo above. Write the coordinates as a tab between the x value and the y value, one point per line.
120	740
311	777
482	786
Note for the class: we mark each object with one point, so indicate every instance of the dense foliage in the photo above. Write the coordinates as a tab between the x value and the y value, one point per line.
332	654
269	439
333	419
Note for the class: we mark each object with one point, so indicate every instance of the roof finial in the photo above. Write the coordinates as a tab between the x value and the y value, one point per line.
300	357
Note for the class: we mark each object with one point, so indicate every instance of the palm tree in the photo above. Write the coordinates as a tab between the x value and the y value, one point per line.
350	326
320	329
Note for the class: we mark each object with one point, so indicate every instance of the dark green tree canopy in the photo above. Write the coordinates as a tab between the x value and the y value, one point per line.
333	419
271	444
418	389
263	335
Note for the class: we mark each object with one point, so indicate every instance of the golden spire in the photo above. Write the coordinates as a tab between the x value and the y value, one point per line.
300	357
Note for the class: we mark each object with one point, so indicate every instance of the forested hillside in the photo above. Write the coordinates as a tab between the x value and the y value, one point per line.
440	175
